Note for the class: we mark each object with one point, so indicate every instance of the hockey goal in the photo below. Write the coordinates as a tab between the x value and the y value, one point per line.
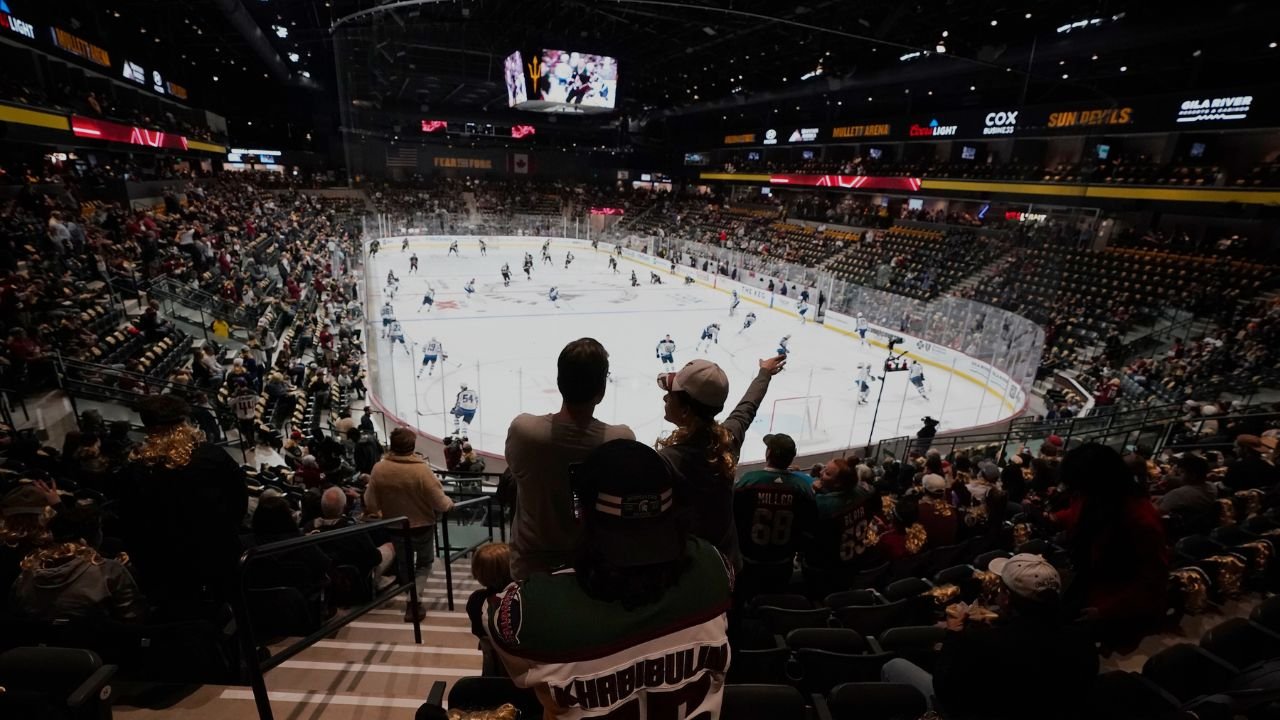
799	417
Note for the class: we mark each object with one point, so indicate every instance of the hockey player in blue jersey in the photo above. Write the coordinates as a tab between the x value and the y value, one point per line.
666	353
396	334
860	325
783	350
388	316
710	334
915	374
413	263
433	351
802	309
863	382
470	287
748	321
733	306
428	299
553	295
464	408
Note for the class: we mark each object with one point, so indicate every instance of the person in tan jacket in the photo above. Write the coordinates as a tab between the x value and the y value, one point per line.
402	483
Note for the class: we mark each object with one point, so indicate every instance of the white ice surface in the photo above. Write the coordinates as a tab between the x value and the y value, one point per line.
503	342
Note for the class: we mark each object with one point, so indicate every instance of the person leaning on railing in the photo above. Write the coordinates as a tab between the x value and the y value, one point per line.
402	484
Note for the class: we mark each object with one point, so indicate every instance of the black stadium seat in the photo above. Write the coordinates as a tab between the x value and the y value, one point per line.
763	702
1187	671
872	701
1241	642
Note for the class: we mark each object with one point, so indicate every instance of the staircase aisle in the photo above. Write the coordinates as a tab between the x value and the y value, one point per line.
369	670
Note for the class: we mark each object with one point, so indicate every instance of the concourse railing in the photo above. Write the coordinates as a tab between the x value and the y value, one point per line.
257	660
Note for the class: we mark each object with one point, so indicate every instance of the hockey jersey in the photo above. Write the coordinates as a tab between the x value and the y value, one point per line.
434	347
778	507
666	347
467	400
589	658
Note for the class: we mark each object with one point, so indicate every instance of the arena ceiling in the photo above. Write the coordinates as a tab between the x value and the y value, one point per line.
719	60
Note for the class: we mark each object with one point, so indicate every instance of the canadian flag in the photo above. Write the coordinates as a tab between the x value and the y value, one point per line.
520	163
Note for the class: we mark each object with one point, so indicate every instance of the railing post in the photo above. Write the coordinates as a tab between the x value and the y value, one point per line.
412	569
448	561
248	648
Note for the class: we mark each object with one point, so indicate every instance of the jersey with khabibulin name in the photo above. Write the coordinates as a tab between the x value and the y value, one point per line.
587	658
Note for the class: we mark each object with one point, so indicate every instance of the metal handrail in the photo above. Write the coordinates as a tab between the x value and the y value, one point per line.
257	666
450	554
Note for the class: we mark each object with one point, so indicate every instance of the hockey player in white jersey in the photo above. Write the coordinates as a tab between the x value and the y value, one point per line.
915	373
863	381
432	352
666	353
554	295
388	314
506	275
783	350
484	249
568	258
453	249
733	306
428	299
464	408
748	321
710	334
396	334
802	309
860	325
470	287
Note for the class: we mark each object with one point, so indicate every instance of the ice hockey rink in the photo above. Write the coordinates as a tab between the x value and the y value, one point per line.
503	342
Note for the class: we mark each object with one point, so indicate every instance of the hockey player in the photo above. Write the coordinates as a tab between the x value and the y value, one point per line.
413	263
863	382
470	287
801	310
506	275
553	295
860	325
391	276
528	266
396	334
915	373
464	408
748	321
733	306
634	281
654	278
710	334
546	253
404	245
373	248
388	316
484	249
666	353
453	248
688	280
568	258
613	264
783	350
433	351
428	299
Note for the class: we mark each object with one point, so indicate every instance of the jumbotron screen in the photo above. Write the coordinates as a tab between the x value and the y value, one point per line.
562	81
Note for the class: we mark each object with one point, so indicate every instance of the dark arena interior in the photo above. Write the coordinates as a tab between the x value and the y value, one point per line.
639	359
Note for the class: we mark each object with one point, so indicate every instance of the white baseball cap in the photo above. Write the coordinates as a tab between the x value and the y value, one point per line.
1029	576
702	380
934	483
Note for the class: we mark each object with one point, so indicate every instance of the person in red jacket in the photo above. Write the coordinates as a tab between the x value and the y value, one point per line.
1117	545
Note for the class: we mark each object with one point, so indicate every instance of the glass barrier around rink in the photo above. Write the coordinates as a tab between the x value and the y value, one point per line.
995	338
387	226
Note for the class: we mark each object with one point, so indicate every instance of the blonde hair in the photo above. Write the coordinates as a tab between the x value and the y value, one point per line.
491	565
720	452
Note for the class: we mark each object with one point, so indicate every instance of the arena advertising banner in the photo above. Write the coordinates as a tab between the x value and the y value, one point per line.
91	129
1182	112
849	182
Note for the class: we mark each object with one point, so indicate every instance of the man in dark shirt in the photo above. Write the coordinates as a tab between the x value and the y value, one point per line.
1251	470
773	508
1025	658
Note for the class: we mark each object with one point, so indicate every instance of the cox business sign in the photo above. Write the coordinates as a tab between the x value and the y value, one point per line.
1003	122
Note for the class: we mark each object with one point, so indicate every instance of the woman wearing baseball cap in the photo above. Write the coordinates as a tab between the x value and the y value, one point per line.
702	452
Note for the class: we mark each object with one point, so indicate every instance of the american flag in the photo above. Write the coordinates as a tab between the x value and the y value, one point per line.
405	156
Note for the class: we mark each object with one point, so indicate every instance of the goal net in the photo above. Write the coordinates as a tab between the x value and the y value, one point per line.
799	417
